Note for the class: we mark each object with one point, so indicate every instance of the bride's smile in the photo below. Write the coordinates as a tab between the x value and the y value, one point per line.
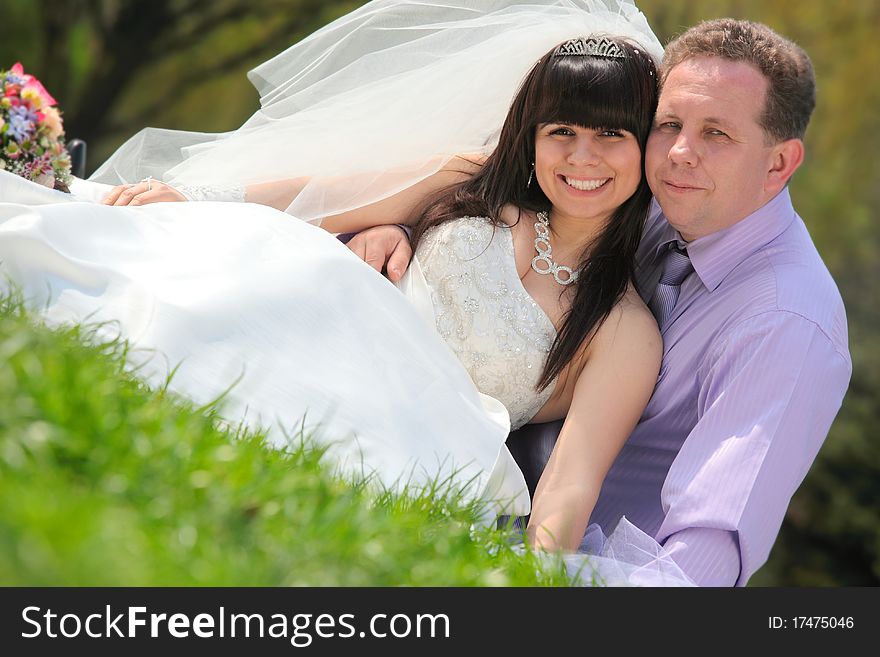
586	173
588	185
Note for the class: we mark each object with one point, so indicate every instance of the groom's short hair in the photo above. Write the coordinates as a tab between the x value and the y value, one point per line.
791	93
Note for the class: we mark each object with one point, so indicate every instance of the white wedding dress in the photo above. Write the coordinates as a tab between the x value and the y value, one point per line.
291	327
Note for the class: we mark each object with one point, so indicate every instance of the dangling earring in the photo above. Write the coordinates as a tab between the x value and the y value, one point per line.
531	175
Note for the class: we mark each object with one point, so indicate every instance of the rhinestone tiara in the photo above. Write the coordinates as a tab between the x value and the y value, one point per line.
592	46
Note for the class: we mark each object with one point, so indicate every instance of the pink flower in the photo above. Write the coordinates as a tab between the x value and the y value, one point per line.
35	86
32	84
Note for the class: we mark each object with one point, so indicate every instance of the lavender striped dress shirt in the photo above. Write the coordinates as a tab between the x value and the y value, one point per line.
755	367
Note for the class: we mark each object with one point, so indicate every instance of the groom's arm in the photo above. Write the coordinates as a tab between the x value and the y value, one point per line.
385	248
768	395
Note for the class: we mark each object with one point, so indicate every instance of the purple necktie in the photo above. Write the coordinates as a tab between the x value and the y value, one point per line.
676	268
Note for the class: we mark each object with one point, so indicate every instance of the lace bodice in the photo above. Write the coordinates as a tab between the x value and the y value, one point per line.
483	312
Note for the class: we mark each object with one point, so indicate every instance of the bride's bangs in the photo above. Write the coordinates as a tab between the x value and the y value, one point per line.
594	93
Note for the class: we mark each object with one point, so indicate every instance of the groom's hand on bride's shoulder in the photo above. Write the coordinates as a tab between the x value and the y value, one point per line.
385	248
142	193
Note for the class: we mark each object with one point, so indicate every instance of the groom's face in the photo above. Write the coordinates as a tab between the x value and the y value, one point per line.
707	156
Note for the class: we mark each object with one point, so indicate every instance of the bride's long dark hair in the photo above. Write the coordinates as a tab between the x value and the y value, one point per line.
593	92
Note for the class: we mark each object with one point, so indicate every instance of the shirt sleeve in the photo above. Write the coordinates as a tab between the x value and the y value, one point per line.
710	557
768	393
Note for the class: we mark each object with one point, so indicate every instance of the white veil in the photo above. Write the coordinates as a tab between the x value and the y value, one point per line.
378	99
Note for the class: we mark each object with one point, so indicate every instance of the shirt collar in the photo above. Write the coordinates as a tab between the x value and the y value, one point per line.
715	255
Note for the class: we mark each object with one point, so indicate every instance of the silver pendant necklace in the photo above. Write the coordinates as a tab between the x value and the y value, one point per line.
545	253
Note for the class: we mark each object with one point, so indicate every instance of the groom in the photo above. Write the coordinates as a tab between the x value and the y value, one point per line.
755	361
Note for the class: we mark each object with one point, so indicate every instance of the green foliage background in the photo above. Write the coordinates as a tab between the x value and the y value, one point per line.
116	66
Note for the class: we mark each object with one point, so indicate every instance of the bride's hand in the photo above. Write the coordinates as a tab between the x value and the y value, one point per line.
146	191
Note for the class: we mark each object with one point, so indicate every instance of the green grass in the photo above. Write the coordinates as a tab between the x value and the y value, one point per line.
106	482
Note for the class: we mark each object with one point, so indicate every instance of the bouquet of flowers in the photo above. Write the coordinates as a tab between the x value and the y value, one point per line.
31	131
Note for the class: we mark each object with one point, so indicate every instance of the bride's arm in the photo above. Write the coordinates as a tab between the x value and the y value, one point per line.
610	394
400	207
279	194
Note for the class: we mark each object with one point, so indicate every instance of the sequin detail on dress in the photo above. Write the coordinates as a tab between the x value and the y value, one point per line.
483	312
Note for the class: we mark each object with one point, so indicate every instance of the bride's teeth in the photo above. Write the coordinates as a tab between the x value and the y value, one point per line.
586	185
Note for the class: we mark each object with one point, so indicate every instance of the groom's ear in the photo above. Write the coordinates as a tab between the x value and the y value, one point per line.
785	158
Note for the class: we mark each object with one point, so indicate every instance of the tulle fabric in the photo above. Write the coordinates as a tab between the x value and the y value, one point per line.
378	99
627	557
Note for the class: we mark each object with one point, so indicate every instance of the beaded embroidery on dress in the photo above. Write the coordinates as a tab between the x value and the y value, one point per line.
482	311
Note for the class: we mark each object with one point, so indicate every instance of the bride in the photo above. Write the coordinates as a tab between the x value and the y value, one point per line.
492	331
